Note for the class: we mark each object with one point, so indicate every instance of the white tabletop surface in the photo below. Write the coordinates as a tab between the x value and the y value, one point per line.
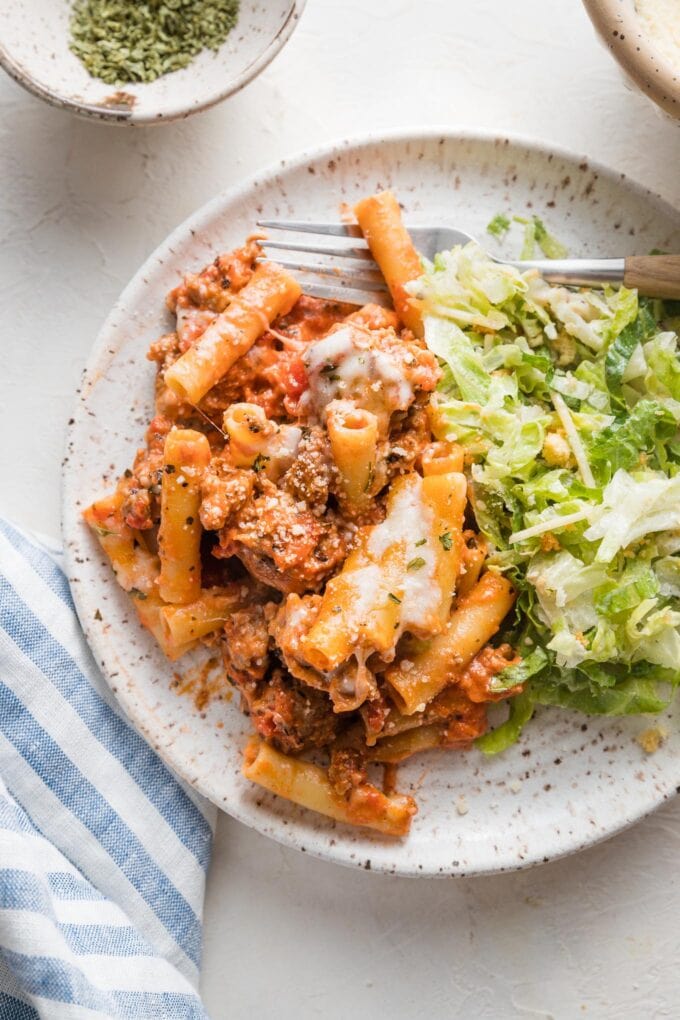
81	205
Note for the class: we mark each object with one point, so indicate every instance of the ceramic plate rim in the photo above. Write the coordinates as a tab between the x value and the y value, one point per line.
72	528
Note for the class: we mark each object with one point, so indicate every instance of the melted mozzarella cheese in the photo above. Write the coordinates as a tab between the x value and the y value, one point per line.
410	524
367	583
338	367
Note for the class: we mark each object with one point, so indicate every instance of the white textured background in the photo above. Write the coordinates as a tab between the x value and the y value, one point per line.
81	205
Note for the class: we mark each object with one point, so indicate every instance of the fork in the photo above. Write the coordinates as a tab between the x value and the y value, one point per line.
346	271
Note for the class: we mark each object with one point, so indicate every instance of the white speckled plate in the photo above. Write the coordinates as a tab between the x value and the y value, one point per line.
39	58
571	781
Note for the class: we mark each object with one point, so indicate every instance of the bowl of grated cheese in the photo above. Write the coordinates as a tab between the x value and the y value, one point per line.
643	36
125	62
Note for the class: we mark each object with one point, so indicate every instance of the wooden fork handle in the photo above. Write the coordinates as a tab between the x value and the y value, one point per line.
653	275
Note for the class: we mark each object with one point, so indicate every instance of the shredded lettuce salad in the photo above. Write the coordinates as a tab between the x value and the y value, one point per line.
567	403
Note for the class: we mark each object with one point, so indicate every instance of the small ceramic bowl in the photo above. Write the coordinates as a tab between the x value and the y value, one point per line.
34	50
642	59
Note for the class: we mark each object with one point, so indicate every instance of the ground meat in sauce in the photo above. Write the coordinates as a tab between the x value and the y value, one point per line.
462	732
293	717
261	376
465	720
461	719
273	527
375	712
311	318
484	667
211	289
141	487
420	365
309	476
164	351
375	317
245	645
224	491
347	770
408	438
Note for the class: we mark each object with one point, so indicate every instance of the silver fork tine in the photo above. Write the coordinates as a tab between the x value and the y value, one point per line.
302	227
346	295
360	283
363	278
318	249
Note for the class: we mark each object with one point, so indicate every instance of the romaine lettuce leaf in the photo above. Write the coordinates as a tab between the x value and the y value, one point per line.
628	441
632	508
663	363
521	709
465	287
464	360
597	567
642	688
637	583
547	242
520	672
528	250
626	339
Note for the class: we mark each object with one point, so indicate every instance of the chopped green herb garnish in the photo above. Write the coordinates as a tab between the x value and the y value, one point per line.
416	563
260	462
499	225
102	531
421	542
393	598
446	541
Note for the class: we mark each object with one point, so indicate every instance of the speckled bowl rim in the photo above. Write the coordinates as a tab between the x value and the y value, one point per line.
117	115
283	833
620	29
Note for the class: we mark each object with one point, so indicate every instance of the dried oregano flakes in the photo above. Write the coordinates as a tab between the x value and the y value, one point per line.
123	41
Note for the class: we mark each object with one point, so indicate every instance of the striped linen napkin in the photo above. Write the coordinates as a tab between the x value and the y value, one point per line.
103	851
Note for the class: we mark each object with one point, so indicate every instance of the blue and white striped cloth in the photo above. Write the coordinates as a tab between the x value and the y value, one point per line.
103	851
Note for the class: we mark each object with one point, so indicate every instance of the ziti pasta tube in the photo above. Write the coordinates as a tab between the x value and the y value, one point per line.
308	785
248	429
183	625
136	568
270	292
353	435
442	458
185	457
379	217
416	681
446	495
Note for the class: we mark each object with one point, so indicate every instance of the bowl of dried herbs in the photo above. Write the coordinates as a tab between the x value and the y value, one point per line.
141	61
